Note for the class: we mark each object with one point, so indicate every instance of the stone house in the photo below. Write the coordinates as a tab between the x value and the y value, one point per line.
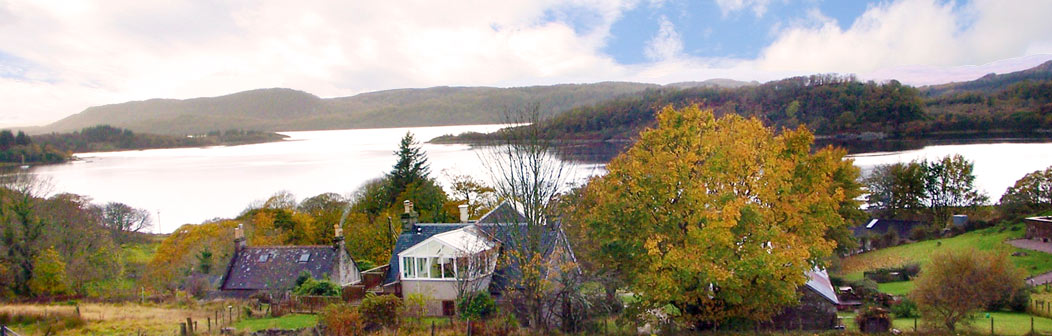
1039	228
275	268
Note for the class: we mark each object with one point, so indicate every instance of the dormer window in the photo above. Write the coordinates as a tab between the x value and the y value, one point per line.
305	257
264	257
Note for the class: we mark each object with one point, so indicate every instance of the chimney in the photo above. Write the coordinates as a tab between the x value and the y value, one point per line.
338	239
239	238
409	217
463	213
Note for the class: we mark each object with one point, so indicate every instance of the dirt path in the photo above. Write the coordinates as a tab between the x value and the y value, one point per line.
1035	245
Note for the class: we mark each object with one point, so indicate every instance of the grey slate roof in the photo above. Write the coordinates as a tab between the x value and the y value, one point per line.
406	240
279	270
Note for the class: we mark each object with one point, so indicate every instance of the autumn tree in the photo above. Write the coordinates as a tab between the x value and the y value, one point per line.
49	274
122	219
23	226
719	218
1029	195
957	284
179	253
469	190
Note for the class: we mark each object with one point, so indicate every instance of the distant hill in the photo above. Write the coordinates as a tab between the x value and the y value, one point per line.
832	106
286	109
992	82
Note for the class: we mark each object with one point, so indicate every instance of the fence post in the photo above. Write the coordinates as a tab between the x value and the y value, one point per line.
469	326
991	325
182	329
433	326
189	326
209	321
3	330
914	324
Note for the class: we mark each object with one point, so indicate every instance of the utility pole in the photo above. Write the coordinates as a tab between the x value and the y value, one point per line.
158	231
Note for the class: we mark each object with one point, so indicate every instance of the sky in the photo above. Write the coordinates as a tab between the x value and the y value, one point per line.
59	57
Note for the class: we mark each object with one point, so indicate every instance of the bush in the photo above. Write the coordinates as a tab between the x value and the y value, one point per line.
380	311
341	320
1017	302
905	309
322	287
478	306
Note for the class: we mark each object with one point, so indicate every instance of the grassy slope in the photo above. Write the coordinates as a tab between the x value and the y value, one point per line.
989	239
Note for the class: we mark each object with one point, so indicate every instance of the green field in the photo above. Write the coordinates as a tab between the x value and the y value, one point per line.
989	239
287	322
896	288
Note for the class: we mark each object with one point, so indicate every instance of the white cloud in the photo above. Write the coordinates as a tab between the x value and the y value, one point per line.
758	7
911	33
666	43
98	53
57	58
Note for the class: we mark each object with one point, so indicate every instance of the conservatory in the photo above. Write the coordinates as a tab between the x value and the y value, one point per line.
461	254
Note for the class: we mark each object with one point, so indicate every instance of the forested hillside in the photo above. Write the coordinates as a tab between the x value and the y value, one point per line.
286	109
107	138
830	105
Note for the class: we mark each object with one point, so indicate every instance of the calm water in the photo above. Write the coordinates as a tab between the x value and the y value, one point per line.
191	185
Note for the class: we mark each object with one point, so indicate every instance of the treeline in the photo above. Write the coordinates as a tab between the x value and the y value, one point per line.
63	244
104	138
827	104
830	105
20	149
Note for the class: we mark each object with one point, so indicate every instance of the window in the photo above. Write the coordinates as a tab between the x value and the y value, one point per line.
421	268
264	257
435	269
409	268
305	257
447	269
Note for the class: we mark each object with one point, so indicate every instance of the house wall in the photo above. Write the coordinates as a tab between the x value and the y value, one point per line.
345	271
1038	230
437	291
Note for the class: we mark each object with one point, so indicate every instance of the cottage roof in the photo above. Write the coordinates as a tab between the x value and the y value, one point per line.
818	280
276	267
506	212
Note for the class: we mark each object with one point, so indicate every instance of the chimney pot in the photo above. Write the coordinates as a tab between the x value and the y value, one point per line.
408	205
463	213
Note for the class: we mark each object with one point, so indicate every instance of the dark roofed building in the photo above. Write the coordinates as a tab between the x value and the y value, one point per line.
275	268
1039	228
817	309
878	227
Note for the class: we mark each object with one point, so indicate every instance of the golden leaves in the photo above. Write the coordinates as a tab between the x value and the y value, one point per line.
719	217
